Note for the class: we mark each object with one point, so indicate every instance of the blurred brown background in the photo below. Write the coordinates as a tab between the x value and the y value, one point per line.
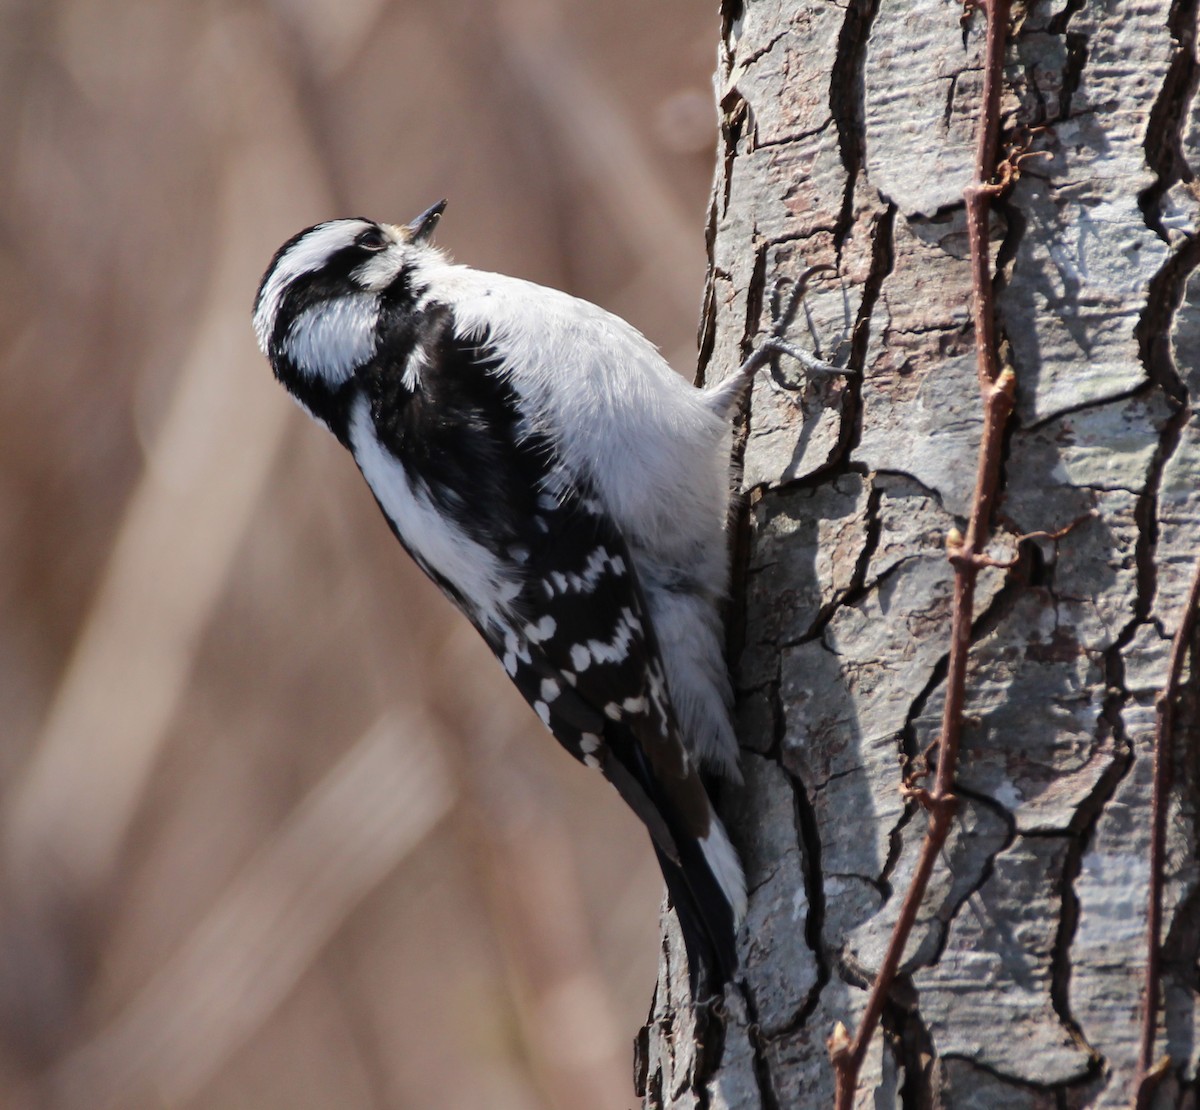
275	830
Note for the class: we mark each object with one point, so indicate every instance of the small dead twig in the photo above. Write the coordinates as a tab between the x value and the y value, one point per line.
1060	533
966	553
1150	1072
955	544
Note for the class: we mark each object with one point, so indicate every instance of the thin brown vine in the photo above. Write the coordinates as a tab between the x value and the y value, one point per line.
1149	1072
966	553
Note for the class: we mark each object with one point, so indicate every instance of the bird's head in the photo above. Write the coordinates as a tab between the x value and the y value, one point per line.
320	305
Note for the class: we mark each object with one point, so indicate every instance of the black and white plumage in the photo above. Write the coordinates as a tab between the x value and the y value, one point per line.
542	463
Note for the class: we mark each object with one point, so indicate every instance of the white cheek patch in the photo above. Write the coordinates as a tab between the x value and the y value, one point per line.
332	339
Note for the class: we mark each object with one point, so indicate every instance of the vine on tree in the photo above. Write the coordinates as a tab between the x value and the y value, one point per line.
966	553
1149	1071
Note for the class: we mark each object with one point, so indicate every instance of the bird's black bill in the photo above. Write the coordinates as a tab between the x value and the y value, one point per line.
422	227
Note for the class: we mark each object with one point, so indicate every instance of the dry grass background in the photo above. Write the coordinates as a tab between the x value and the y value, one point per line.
274	830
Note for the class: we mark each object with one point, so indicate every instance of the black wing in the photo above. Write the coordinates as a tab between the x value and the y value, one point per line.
584	655
576	640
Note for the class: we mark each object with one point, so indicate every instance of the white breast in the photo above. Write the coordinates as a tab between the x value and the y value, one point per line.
486	585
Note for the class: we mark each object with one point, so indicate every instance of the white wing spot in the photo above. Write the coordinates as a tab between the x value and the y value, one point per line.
634	705
613	710
617	648
543	711
581	658
551	688
517	648
592	762
509	591
543	630
598	562
589	742
510	664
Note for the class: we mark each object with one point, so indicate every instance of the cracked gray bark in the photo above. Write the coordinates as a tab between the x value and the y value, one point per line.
847	138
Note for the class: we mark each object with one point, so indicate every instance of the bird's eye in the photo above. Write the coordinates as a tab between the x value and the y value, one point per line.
373	239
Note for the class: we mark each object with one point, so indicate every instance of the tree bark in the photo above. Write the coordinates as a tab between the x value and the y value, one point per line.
847	138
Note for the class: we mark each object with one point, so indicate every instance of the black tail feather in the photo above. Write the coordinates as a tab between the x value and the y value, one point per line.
705	919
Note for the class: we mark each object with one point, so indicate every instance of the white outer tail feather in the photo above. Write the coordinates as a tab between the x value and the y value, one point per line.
723	862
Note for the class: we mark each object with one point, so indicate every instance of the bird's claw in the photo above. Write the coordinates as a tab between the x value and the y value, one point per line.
782	310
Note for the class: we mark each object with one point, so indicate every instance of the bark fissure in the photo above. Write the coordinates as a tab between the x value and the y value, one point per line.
845	103
912	1046
1060	962
985	621
762	1067
1138	392
1077	55
786	139
808	837
1164	131
763	50
882	261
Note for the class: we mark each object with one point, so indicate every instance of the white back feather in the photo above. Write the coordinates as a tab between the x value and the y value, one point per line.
636	427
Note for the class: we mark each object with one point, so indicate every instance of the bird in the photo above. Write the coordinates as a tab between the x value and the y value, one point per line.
567	490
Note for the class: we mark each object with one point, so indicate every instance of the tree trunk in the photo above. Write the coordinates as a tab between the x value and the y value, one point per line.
847	138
